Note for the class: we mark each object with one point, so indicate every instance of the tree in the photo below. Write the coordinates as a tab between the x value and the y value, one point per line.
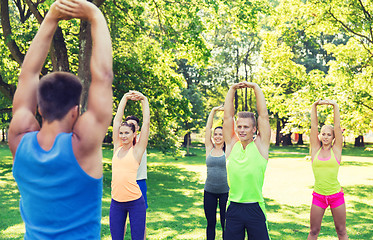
152	40
283	81
148	38
193	119
232	33
351	72
29	15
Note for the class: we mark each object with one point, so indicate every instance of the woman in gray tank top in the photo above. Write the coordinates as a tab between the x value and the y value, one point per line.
216	186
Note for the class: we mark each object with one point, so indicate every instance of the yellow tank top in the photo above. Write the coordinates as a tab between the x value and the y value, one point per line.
246	170
124	187
326	174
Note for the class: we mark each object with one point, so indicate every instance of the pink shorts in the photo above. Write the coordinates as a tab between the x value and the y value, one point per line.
334	200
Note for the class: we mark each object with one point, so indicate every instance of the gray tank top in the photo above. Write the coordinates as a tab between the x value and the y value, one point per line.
216	181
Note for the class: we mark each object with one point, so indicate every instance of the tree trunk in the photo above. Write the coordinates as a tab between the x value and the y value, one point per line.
6	89
85	52
300	139
58	52
237	80
286	140
187	141
188	144
359	141
278	132
7	31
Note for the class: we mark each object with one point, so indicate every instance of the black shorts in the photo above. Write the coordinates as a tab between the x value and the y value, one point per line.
245	216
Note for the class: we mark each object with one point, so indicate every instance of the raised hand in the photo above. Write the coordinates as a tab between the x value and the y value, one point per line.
134	96
244	84
128	96
81	9
219	108
55	11
239	85
325	102
250	84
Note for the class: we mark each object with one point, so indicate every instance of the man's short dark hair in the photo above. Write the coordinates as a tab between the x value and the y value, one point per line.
133	118
57	93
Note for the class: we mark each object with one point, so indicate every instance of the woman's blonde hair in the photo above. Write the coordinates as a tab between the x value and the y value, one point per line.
328	126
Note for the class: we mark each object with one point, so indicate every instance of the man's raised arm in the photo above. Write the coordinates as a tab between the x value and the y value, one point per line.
101	70
25	100
99	110
263	117
229	134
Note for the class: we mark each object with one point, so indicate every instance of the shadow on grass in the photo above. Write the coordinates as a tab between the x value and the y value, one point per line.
177	193
289	224
176	203
286	155
9	200
351	150
285	222
356	163
197	157
294	151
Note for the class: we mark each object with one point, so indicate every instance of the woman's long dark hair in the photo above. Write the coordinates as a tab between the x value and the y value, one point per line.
133	128
220	127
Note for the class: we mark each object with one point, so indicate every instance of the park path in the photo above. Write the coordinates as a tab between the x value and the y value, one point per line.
290	180
288	190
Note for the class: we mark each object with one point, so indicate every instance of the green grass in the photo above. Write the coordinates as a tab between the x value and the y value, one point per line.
175	195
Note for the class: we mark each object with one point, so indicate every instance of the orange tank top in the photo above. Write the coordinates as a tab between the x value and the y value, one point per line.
124	187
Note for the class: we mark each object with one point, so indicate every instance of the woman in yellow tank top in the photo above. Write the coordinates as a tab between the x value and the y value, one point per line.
126	194
326	156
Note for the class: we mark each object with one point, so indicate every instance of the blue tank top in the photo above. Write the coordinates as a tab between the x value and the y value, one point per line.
58	199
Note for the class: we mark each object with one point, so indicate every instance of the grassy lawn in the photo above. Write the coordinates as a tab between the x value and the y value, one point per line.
175	193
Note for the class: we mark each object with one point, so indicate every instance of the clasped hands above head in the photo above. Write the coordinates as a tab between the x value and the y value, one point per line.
244	84
134	95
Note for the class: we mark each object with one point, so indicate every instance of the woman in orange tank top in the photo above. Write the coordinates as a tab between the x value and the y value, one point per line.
126	194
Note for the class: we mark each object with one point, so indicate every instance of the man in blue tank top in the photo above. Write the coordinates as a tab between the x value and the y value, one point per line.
58	167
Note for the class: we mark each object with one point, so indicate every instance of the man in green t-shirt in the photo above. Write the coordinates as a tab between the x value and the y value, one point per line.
246	164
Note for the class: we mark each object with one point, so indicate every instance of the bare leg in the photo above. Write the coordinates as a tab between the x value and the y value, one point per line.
316	216
339	216
125	227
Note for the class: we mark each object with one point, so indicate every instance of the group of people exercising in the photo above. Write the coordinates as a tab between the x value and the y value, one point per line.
58	165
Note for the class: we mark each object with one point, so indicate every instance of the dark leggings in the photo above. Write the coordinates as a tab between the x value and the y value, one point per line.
210	203
118	216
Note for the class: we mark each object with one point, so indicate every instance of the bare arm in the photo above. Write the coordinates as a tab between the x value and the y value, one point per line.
264	129
90	129
314	139
99	109
140	147
118	120
229	134
338	141
208	132
25	100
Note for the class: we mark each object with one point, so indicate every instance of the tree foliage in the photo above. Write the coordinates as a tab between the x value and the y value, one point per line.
184	54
